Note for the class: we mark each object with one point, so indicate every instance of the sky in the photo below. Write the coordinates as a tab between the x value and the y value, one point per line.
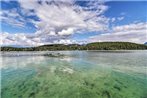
41	22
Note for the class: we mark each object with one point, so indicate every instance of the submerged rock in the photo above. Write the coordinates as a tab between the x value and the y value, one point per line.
117	87
32	94
54	55
106	94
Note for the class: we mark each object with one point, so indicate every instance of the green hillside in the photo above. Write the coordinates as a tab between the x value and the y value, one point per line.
115	46
90	46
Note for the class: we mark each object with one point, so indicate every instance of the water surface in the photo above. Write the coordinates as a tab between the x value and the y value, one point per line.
78	74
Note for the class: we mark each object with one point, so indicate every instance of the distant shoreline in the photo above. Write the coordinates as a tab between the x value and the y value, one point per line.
102	46
80	50
61	54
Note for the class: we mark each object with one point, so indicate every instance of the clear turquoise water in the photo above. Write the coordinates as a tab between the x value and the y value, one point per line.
80	74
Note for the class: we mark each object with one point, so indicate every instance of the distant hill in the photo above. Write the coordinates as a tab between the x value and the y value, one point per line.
115	46
89	46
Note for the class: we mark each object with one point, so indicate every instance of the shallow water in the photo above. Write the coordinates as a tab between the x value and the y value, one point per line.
79	74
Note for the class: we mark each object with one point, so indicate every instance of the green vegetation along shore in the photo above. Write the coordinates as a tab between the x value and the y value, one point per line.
89	46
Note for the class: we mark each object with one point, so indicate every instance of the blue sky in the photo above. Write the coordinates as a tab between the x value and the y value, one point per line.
33	23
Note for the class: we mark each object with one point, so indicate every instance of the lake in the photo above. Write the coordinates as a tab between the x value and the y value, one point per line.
78	74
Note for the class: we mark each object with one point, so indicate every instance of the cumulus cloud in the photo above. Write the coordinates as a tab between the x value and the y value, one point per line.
64	41
57	20
30	40
18	39
136	32
58	16
69	31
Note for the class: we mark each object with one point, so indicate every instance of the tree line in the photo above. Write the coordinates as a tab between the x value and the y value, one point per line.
89	46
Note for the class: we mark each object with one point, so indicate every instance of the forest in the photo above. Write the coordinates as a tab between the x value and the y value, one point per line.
89	46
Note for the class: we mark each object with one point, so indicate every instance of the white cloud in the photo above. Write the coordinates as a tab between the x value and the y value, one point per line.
134	26
12	17
128	33
64	16
69	31
120	18
20	39
64	41
58	20
113	19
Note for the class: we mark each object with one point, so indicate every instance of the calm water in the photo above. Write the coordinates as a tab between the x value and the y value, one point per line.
79	74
